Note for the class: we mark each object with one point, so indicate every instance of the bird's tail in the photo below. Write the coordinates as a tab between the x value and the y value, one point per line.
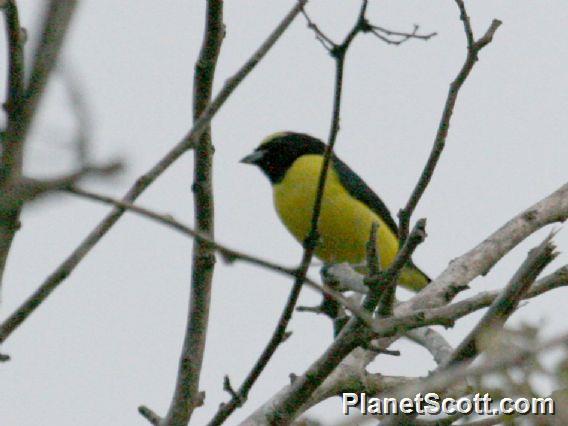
412	278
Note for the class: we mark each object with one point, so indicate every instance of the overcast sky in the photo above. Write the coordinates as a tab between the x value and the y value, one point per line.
109	338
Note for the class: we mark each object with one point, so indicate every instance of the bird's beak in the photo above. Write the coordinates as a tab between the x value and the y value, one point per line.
253	157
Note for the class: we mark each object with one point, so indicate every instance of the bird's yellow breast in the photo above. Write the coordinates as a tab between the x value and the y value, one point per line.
344	223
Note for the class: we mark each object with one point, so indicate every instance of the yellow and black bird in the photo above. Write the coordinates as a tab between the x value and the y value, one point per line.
293	162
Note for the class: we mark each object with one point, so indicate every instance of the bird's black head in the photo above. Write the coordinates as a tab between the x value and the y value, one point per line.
277	153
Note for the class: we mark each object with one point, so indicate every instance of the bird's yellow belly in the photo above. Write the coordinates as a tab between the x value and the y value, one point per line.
344	223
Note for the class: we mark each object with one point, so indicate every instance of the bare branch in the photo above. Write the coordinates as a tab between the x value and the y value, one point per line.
383	34
504	305
21	110
80	110
380	284
440	140
352	335
142	183
203	260
479	260
433	341
10	161
149	415
386	327
26	189
16	37
327	43
442	379
228	254
373	260
55	26
338	52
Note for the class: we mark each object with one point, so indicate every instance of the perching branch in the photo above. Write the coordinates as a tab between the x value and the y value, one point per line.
143	182
286	406
352	335
444	315
473	48
381	283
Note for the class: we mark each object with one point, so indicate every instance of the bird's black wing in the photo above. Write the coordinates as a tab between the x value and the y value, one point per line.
361	191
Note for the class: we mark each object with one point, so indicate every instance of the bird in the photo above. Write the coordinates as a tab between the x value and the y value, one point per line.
292	162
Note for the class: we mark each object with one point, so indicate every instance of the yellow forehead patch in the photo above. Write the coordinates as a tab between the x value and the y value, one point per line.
273	136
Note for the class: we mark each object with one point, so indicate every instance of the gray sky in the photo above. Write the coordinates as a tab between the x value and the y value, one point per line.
109	339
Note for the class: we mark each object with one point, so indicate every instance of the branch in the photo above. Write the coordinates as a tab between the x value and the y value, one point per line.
443	379
433	341
404	37
29	189
481	300
80	109
387	327
16	37
228	254
382	283
142	183
352	335
338	52
479	260
473	49
22	101
149	415
504	305
186	393
55	26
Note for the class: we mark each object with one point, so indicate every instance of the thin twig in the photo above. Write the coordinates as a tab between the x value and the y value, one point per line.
504	305
149	415
381	283
373	260
456	310
228	254
404	37
440	140
387	287
80	110
142	183
29	189
325	41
